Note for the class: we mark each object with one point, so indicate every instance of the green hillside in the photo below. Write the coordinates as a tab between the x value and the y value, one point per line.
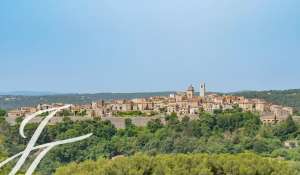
225	132
282	97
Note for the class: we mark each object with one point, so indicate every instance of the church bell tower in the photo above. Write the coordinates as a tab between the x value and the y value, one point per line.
202	90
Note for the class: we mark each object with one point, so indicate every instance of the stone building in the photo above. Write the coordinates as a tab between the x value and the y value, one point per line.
190	92
270	118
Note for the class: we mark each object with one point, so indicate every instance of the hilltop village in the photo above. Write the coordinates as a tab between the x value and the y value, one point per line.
186	103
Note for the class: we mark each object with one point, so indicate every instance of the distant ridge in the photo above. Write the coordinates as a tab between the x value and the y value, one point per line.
15	101
289	97
28	93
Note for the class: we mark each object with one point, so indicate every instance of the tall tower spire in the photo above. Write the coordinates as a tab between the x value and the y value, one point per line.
202	90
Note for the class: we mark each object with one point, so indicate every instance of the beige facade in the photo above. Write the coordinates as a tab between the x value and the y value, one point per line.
190	92
182	103
270	118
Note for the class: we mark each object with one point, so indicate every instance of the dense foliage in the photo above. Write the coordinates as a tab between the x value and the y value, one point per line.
2	112
3	150
183	164
230	132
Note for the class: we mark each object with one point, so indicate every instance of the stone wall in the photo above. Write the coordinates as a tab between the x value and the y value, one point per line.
118	122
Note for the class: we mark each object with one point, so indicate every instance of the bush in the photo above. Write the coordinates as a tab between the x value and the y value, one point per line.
183	164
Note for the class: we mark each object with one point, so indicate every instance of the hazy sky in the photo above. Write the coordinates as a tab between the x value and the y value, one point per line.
149	45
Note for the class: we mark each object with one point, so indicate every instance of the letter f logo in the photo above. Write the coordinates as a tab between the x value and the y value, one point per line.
31	145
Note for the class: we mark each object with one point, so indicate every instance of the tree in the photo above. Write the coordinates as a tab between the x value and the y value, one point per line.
130	128
154	125
172	119
128	123
285	129
2	112
65	113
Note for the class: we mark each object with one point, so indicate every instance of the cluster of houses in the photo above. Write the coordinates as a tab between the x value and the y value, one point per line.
186	103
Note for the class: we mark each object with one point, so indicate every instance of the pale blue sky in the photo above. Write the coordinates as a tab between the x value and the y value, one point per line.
149	45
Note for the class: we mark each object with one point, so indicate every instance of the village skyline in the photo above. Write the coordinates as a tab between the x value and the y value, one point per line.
187	103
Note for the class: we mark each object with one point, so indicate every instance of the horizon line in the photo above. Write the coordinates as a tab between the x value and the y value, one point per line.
50	93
